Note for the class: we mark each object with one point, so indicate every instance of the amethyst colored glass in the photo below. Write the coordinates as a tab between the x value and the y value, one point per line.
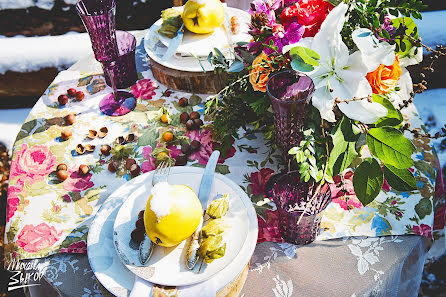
290	93
98	17
124	68
291	198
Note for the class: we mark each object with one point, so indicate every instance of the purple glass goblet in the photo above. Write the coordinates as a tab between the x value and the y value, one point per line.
294	198
290	93
124	69
98	17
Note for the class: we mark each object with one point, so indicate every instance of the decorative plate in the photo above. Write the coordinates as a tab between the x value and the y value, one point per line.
167	266
106	264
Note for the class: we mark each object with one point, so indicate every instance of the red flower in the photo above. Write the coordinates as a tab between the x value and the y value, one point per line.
308	13
439	217
76	247
269	227
341	197
423	230
259	180
35	238
76	182
144	89
207	147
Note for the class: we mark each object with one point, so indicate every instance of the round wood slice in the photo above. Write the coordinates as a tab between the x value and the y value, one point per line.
191	82
233	289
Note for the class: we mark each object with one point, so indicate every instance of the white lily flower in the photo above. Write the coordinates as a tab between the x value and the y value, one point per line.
341	74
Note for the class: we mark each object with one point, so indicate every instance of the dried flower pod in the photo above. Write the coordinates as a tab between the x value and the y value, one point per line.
213	228
215	254
120	140
103	132
89	148
62	166
141	214
131	137
137	235
209	244
65	134
235	25
140	223
92	134
105	149
80	149
218	208
84	169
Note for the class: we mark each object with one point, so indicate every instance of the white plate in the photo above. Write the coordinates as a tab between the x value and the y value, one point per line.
167	266
198	44
104	261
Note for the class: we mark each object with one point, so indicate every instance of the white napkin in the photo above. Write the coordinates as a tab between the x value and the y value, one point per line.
143	288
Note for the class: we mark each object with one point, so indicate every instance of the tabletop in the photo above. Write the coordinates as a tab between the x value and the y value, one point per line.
378	266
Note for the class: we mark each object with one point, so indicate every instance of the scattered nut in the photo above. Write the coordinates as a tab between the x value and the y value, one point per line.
198	122
129	163
195	145
80	150
140	223
103	132
105	149
71	92
181	160
135	169
84	169
62	166
194	115
131	137
190	125
137	235
120	140
185	148
62	99
184	117
65	134
62	175
141	214
92	134
89	148
183	102
112	166
70	119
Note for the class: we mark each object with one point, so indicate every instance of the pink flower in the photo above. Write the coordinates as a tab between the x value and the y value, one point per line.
346	200
174	151
32	163
207	147
259	179
76	247
269	227
35	238
76	182
144	89
13	200
386	186
439	217
147	152
423	230
148	165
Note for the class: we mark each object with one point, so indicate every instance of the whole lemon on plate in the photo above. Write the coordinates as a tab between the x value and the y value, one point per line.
203	16
172	214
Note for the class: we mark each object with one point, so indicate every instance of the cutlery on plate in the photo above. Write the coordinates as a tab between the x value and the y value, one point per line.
146	246
204	197
174	44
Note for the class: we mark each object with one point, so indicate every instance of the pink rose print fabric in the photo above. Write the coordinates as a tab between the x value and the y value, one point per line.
34	238
76	247
77	183
207	147
144	89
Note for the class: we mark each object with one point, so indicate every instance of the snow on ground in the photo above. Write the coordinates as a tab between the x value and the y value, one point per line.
23	54
431	105
17	4
10	122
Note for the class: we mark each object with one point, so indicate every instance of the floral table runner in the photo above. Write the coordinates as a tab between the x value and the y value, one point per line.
46	216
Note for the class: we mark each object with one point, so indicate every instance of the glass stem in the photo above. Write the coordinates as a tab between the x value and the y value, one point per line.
112	81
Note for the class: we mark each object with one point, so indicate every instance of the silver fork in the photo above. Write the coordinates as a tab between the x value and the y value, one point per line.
146	246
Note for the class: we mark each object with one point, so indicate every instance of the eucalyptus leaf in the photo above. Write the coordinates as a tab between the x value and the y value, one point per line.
235	67
390	146
368	181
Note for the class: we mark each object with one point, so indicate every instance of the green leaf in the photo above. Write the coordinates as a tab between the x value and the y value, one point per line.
393	117
423	208
222	169
149	137
309	56
235	67
194	100
368	181
299	65
404	44
390	146
400	179
344	136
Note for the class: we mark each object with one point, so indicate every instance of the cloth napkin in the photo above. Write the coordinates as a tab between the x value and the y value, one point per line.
143	288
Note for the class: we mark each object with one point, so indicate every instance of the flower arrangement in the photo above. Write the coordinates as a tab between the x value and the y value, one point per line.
356	53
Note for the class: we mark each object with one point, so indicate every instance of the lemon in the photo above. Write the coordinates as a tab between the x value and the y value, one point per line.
172	214
203	16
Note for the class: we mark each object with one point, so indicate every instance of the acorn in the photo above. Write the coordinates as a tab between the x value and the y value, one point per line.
105	149
62	166
92	134
129	163
112	166
62	175
65	134
80	150
194	115
181	160
63	99
140	223
183	102
84	169
103	132
185	148
135	169
120	140
198	122
130	137
141	214
70	119
184	117
195	145
190	125
138	235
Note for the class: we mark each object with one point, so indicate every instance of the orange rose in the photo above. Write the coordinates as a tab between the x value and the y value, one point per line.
384	78
259	75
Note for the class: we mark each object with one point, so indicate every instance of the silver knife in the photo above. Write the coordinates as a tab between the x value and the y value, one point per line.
204	197
173	45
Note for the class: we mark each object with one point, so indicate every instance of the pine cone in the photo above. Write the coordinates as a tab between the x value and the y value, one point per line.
259	20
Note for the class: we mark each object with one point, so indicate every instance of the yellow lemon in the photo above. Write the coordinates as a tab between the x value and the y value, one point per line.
203	16
172	214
